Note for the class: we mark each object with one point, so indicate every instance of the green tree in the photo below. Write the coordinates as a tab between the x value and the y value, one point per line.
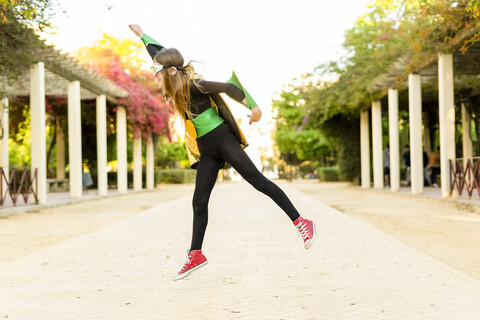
20	142
296	137
19	43
388	31
169	154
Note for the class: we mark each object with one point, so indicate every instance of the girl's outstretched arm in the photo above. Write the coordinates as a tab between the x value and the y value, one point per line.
153	47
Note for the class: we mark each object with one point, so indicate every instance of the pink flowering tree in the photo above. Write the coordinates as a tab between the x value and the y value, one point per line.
146	111
119	60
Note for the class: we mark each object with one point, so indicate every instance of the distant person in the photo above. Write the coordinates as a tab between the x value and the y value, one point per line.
434	166
386	165
406	159
213	139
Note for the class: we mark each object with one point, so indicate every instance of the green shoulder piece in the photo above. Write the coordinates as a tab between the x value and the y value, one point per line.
234	80
146	39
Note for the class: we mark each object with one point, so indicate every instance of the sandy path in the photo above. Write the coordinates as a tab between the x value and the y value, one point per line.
257	270
444	229
24	233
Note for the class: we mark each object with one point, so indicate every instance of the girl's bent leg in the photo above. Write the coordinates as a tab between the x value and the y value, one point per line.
206	177
233	153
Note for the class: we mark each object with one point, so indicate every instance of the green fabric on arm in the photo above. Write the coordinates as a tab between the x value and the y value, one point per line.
234	80
146	39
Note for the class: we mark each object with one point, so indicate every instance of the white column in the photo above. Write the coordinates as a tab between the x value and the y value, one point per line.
137	164
377	145
394	139
466	137
122	178
365	149
150	163
102	145
37	114
4	162
75	140
415	114
447	118
60	154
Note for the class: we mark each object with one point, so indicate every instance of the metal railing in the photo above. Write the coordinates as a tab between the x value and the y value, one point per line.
24	184
465	175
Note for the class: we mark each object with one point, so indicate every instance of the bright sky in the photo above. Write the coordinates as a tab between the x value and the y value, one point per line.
266	42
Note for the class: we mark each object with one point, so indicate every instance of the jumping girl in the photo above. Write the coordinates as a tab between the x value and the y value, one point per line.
212	138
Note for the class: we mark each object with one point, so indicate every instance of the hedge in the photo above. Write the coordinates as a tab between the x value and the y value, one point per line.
328	174
175	176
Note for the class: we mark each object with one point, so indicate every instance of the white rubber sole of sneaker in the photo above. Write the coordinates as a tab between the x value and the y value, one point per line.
187	273
309	243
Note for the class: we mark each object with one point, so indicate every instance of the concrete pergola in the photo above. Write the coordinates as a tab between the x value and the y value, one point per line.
56	74
438	70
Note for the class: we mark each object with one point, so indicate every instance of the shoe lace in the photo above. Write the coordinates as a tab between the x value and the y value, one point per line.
187	262
303	229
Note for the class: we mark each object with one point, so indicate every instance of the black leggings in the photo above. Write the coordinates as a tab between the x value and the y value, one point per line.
218	146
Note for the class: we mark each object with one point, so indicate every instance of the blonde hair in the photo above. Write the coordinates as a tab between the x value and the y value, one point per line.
176	88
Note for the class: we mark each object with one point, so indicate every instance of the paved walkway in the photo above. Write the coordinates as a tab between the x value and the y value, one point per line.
257	269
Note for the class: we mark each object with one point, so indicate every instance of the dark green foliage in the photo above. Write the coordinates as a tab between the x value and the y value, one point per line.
344	130
389	30
175	176
112	178
19	45
170	154
297	138
307	168
328	174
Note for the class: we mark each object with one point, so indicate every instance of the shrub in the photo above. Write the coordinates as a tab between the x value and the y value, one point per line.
328	174
175	176
306	169
112	178
344	130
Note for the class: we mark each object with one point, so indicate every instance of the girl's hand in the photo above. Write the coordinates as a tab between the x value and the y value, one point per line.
256	115
136	29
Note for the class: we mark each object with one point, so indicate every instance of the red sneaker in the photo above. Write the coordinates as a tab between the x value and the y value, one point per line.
194	260
306	228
